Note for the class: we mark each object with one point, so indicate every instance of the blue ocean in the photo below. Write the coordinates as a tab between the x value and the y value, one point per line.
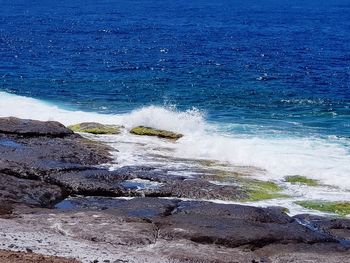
257	84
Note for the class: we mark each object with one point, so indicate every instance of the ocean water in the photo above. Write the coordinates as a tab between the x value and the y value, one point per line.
259	85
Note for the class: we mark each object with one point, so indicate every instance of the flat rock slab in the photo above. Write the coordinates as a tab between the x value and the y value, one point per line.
295	253
50	154
143	182
97	227
92	181
167	230
210	223
235	225
201	189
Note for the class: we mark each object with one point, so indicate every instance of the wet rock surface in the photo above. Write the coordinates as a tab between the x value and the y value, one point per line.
233	226
30	192
134	214
339	228
202	189
90	181
31	151
168	230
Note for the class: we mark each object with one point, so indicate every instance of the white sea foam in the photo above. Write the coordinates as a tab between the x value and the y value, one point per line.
319	159
157	117
327	160
29	108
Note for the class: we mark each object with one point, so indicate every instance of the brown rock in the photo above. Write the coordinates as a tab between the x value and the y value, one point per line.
16	257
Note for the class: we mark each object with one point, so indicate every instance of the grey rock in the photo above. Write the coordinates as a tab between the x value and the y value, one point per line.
30	192
22	127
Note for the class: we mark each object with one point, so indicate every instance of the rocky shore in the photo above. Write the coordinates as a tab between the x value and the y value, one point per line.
58	198
15	257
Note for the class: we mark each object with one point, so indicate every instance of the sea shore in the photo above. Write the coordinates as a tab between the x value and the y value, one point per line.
59	198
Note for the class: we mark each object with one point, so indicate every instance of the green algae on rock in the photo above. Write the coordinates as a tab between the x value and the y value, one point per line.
254	190
95	128
227	175
141	130
261	190
211	163
298	179
339	208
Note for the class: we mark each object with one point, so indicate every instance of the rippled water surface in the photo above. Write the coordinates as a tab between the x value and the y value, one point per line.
262	86
276	65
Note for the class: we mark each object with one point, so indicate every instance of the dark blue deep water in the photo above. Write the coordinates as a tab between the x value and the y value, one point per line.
283	64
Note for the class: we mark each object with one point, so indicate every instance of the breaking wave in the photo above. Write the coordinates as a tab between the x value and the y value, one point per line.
327	160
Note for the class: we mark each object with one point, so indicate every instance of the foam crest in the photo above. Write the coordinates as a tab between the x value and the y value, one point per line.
157	117
327	160
319	159
29	108
190	121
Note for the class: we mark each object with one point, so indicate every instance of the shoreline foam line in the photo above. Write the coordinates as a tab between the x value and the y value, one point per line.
326	160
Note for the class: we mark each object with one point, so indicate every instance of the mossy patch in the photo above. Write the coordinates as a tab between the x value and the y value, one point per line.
261	190
340	208
226	175
211	163
95	128
298	179
141	130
